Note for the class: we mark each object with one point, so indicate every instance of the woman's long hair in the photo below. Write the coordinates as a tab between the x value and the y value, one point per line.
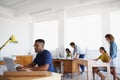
103	49
110	37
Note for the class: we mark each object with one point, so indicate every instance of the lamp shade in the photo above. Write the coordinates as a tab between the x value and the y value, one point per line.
13	39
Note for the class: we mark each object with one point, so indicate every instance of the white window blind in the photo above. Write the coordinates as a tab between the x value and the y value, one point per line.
49	32
85	31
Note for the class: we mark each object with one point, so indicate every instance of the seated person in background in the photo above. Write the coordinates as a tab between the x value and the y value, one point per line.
43	60
104	57
69	54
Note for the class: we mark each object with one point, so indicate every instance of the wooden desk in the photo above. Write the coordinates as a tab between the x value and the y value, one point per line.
69	65
91	63
54	76
25	59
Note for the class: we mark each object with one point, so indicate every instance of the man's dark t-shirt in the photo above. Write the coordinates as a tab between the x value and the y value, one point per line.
43	58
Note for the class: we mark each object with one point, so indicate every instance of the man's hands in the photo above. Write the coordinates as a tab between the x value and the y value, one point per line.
22	68
31	68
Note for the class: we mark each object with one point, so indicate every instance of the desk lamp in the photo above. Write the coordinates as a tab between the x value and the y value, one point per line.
11	40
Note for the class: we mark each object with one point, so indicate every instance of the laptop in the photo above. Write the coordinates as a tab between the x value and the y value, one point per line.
9	63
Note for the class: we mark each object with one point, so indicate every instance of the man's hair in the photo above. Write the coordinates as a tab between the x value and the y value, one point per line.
40	40
72	43
110	36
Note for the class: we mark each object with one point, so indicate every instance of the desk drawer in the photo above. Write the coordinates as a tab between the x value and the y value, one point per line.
67	66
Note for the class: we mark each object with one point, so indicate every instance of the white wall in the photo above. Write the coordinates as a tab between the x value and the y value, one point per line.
4	11
10	25
102	9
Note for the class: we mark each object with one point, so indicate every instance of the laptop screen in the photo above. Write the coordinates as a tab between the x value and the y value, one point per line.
9	63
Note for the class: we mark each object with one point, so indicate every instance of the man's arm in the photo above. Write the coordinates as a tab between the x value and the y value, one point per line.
31	65
77	52
41	68
77	55
47	60
22	68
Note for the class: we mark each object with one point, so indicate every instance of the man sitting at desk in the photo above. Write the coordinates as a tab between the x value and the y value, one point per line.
43	60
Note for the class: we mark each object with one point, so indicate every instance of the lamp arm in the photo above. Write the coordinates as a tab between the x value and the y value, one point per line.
4	44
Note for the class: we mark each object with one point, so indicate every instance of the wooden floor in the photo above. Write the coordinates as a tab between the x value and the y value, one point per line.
81	77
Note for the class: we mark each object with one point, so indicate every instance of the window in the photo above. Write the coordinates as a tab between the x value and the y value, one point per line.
49	32
85	31
115	24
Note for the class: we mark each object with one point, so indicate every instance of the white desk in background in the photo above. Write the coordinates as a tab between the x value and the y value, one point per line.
91	63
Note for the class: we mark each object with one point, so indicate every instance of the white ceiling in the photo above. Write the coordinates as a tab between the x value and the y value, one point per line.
33	6
38	6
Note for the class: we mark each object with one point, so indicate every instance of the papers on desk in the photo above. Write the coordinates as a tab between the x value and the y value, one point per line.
2	69
64	58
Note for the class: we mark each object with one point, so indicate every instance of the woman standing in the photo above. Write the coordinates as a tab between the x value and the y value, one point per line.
113	55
